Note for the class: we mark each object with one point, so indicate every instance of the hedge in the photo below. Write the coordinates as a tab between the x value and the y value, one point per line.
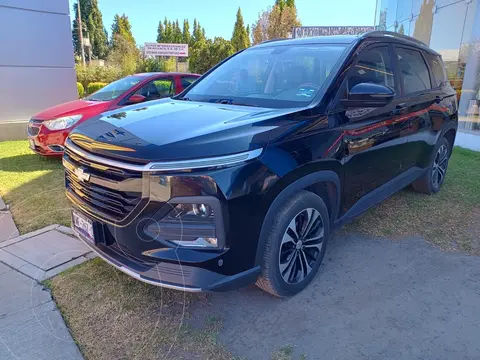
94	86
80	90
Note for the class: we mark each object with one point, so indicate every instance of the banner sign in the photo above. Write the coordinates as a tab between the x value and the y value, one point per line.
308	31
158	49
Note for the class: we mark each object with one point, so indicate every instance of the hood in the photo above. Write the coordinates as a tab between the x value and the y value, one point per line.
83	107
174	129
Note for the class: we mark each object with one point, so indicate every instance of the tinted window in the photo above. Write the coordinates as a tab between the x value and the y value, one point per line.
187	81
438	70
270	76
157	89
374	66
414	70
115	89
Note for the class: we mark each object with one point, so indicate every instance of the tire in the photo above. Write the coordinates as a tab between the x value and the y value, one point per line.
300	258
432	181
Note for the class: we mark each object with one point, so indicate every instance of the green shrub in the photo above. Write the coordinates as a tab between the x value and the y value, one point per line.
94	86
80	90
90	74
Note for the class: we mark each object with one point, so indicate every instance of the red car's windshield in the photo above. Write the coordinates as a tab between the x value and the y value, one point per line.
115	89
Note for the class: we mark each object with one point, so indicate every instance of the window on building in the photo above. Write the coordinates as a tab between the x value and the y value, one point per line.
414	71
437	68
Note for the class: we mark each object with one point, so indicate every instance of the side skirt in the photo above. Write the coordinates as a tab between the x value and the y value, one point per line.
381	193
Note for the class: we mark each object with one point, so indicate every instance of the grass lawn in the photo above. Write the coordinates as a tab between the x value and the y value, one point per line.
113	316
33	187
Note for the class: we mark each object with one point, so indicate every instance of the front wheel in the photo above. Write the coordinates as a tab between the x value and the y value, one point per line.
432	181
295	245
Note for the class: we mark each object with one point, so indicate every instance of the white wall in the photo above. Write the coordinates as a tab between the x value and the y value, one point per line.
36	61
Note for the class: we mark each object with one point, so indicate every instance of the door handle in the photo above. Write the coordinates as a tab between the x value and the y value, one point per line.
400	109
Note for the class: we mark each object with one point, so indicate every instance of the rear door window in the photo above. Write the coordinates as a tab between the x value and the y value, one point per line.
186	81
438	69
414	71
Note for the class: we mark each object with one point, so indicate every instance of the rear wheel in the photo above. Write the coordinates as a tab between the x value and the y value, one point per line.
295	245
432	181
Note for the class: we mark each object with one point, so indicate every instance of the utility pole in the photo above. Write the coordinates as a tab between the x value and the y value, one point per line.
80	32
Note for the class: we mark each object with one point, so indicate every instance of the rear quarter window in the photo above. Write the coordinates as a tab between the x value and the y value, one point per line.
438	70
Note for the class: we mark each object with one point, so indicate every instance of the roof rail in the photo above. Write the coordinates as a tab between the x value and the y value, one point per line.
394	35
272	40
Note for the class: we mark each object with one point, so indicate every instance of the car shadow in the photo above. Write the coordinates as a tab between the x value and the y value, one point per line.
29	162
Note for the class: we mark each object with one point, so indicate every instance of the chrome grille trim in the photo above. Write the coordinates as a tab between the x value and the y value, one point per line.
170	165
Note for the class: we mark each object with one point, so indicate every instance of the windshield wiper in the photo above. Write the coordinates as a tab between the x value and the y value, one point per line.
231	102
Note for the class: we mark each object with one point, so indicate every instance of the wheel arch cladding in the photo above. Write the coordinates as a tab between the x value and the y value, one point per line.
325	184
450	136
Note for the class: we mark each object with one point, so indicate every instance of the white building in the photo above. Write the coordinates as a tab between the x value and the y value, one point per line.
36	61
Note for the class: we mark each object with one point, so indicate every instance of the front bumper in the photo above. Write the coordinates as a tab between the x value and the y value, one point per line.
177	276
124	202
46	142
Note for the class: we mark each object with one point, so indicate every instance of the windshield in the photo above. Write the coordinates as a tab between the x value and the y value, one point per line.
279	76
115	89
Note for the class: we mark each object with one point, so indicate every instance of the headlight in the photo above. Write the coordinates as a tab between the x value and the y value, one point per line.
62	123
191	213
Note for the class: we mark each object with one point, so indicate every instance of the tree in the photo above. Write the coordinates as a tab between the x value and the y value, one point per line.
208	53
186	37
260	27
124	54
280	4
401	30
93	28
290	3
121	27
423	25
160	33
275	23
168	31
198	34
177	33
240	38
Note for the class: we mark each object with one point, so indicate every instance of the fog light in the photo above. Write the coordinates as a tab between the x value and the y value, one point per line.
187	225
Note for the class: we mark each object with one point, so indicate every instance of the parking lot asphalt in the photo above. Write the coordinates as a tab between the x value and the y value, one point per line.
373	299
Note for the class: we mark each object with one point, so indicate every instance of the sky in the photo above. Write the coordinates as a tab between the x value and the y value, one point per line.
218	16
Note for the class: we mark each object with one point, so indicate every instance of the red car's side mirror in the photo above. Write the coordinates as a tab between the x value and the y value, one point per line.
136	98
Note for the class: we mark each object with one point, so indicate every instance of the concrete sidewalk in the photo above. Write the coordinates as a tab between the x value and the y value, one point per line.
31	327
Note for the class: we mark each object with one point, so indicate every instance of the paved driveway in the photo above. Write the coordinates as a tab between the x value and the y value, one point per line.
373	299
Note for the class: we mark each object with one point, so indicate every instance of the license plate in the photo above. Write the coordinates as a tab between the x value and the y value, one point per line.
83	226
31	142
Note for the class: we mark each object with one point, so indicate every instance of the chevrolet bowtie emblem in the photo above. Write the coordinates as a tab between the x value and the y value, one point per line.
81	174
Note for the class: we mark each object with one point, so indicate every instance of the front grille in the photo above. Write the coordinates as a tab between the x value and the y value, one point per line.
106	193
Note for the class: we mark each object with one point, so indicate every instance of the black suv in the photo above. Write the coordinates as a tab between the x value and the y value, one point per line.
243	176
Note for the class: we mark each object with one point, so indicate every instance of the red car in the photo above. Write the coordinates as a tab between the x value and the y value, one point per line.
48	129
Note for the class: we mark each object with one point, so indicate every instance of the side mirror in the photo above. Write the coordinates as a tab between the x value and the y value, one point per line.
368	95
136	98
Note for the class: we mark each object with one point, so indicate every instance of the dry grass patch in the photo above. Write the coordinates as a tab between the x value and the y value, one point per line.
112	316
